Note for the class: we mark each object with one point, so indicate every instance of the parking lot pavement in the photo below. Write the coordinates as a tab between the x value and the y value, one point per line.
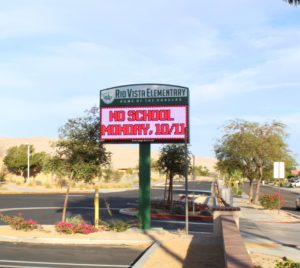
42	256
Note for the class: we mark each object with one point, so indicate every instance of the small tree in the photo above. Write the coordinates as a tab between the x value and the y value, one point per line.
16	160
201	171
79	154
251	148
172	162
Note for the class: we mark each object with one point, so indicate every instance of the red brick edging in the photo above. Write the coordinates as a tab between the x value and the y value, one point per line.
181	217
236	255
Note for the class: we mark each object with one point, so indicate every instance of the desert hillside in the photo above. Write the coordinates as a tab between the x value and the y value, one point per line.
123	156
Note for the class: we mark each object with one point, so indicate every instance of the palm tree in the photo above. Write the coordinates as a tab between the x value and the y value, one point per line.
293	2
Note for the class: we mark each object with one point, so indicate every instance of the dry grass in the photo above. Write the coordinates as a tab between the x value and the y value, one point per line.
123	156
263	260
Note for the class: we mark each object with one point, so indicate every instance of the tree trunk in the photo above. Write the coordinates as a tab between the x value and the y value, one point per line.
258	184
22	174
63	218
165	191
250	190
170	195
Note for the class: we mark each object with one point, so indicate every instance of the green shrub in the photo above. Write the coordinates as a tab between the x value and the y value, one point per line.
178	209
77	219
205	213
3	173
286	263
237	191
129	171
119	226
272	201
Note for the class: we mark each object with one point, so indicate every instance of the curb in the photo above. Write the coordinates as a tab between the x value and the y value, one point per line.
74	241
279	222
64	192
22	193
140	262
292	215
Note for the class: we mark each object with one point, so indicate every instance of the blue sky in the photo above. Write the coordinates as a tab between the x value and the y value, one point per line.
240	59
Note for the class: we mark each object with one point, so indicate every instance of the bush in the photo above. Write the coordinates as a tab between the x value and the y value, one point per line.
77	219
178	209
119	226
38	183
286	263
73	228
19	223
205	213
237	192
272	201
61	182
3	173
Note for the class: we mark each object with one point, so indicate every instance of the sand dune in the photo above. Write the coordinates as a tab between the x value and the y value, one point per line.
123	156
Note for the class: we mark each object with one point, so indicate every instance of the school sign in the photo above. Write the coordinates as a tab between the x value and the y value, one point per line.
144	114
137	113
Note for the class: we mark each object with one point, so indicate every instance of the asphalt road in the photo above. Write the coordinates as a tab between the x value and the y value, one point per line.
47	208
55	256
288	195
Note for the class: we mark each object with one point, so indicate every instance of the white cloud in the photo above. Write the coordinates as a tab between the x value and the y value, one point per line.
278	72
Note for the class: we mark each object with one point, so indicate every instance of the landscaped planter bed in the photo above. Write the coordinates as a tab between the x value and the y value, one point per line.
164	216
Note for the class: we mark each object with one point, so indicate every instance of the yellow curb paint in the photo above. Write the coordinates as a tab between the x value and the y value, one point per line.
261	245
63	192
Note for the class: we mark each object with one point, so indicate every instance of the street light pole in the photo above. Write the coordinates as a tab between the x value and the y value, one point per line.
28	161
186	182
194	177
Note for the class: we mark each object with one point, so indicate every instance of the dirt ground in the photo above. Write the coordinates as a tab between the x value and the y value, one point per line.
263	260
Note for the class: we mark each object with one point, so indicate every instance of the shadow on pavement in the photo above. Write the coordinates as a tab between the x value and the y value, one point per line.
205	252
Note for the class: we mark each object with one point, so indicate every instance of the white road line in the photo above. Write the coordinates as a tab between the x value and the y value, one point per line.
64	263
182	222
18	266
37	208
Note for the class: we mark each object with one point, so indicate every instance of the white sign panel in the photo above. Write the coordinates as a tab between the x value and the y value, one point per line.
148	123
279	170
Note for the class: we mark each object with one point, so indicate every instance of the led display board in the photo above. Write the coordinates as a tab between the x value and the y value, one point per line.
144	113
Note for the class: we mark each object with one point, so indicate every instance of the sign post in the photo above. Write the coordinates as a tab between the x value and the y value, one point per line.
144	185
144	114
186	174
279	173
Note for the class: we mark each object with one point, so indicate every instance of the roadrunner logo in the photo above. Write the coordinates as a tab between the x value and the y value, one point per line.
108	96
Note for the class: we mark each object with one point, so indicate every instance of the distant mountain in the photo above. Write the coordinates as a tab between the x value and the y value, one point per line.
123	156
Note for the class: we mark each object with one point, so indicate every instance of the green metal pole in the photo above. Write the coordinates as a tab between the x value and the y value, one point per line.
144	183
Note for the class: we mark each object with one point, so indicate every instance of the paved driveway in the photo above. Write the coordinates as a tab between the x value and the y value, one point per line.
54	256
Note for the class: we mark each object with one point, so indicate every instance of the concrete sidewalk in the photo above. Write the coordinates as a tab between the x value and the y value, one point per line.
18	189
264	232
